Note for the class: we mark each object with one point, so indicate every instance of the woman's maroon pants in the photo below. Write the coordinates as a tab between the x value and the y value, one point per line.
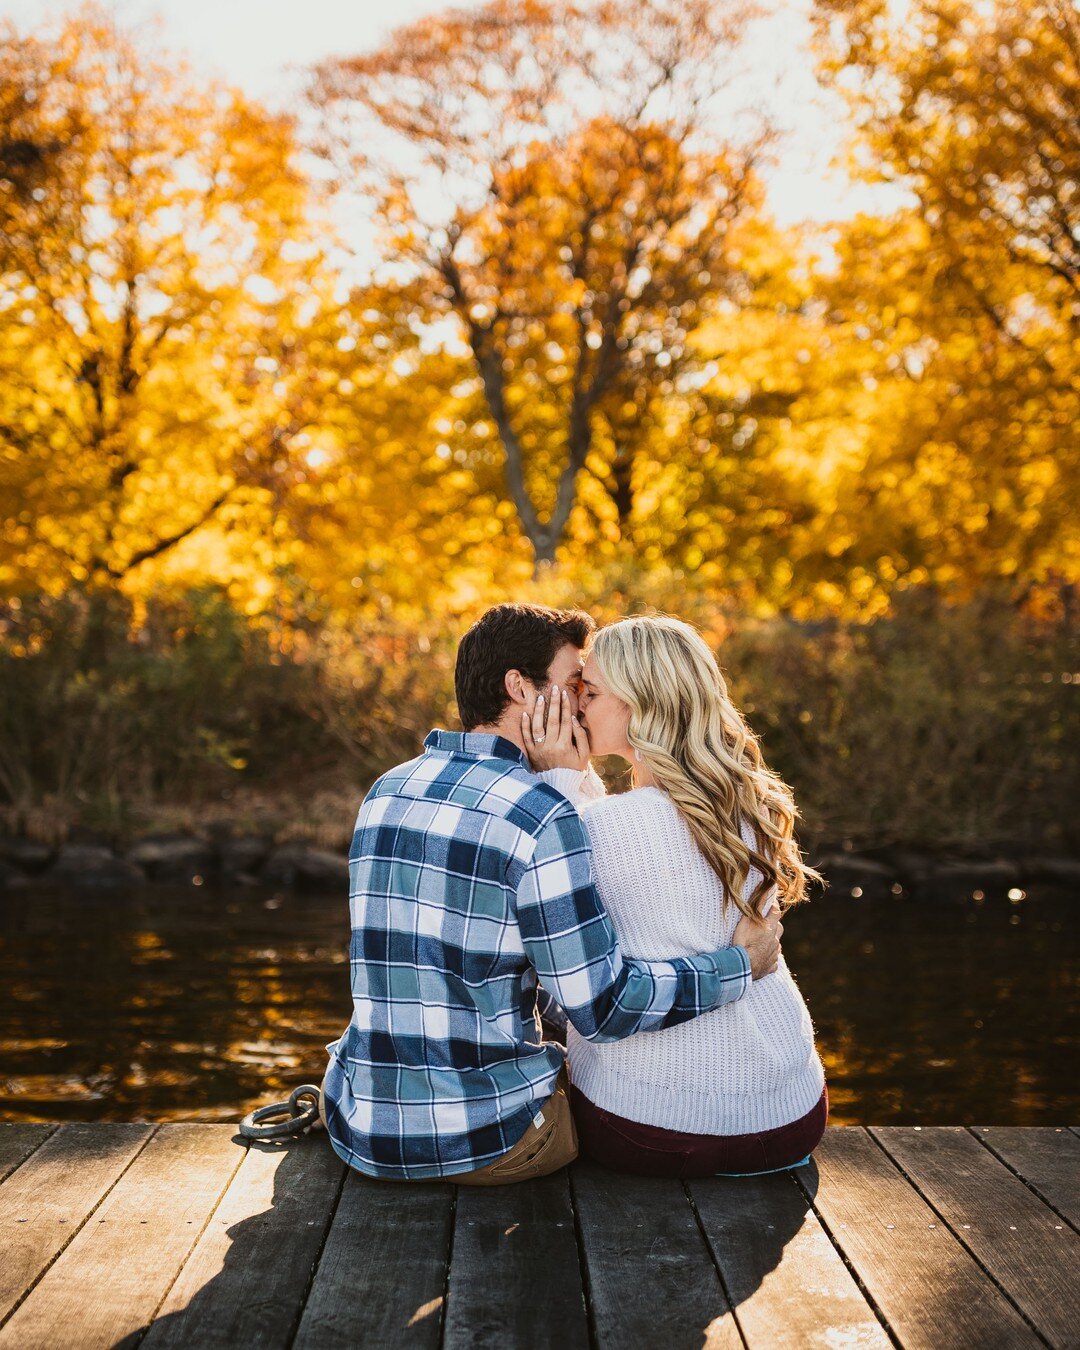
626	1146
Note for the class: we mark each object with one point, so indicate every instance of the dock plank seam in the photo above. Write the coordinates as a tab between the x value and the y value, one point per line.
716	1263
449	1262
15	1166
77	1228
583	1265
960	1239
145	1331
299	1316
1020	1177
852	1271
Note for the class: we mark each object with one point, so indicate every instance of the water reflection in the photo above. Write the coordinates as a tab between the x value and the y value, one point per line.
193	1004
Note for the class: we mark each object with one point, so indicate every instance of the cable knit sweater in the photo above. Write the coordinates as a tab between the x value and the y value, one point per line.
748	1066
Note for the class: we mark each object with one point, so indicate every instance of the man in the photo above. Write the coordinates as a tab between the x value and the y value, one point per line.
471	882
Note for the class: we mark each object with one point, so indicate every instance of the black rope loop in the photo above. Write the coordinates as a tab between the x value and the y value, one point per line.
300	1119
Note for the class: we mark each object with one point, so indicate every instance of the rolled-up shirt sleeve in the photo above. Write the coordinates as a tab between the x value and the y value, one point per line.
568	937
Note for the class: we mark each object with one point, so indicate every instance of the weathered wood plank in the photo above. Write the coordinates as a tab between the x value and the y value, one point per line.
1017	1239
382	1275
787	1283
244	1284
44	1202
514	1272
17	1142
115	1272
1047	1157
651	1277
514	1277
930	1290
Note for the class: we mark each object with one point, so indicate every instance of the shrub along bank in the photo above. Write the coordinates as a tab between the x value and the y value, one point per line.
938	729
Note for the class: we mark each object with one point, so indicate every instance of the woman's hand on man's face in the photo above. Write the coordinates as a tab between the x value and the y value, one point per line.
553	736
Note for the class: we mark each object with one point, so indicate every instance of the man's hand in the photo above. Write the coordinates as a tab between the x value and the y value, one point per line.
761	940
554	738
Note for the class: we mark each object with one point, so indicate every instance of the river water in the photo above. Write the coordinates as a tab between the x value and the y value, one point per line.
163	1003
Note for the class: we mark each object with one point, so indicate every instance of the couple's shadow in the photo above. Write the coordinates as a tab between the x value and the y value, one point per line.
677	1236
245	1280
382	1278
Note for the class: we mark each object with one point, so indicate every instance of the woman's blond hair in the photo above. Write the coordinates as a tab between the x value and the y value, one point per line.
701	752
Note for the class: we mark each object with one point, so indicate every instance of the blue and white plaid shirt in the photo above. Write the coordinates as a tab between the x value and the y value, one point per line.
470	879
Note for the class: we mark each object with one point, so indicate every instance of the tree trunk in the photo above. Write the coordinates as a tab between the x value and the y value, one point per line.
620	486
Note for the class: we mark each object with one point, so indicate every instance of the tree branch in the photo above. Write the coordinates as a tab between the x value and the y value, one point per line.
163	545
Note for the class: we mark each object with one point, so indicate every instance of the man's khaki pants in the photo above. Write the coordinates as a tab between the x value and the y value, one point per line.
537	1154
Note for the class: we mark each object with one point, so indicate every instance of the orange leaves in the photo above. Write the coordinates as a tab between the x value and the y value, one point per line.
157	305
969	298
543	180
582	339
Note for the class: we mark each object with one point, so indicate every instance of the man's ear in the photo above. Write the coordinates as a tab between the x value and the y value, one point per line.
516	687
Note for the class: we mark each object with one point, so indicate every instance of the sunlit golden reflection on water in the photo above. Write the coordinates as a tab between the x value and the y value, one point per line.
176	1004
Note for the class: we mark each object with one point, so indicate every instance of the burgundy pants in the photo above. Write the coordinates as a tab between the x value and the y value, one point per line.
626	1146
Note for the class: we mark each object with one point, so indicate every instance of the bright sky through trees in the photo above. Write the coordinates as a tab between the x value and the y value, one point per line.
265	46
597	339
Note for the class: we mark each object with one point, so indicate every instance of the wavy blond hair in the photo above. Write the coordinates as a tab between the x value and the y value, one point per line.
701	752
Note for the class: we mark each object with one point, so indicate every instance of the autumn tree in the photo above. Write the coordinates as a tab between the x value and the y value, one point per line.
972	108
968	302
161	295
559	181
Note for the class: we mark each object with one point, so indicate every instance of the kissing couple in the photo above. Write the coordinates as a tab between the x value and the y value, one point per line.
540	969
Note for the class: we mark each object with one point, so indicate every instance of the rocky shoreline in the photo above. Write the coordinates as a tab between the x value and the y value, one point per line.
253	860
175	859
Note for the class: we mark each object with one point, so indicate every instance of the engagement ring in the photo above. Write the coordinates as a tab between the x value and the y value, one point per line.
539	740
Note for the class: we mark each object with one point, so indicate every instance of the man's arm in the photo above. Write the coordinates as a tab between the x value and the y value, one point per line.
568	937
579	787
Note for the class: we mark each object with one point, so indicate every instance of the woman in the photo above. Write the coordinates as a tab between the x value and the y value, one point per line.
704	837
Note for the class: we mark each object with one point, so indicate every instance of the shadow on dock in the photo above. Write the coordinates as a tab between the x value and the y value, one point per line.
302	1251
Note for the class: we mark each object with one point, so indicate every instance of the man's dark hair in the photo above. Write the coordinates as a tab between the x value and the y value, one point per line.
510	637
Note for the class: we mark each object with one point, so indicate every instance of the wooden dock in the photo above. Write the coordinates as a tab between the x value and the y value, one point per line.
182	1235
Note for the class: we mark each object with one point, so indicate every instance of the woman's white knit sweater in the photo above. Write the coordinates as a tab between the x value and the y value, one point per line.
748	1066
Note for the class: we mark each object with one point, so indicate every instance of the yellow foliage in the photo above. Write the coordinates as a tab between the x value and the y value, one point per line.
605	351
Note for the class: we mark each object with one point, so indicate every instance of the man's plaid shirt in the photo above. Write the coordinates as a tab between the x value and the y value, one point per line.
470	880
